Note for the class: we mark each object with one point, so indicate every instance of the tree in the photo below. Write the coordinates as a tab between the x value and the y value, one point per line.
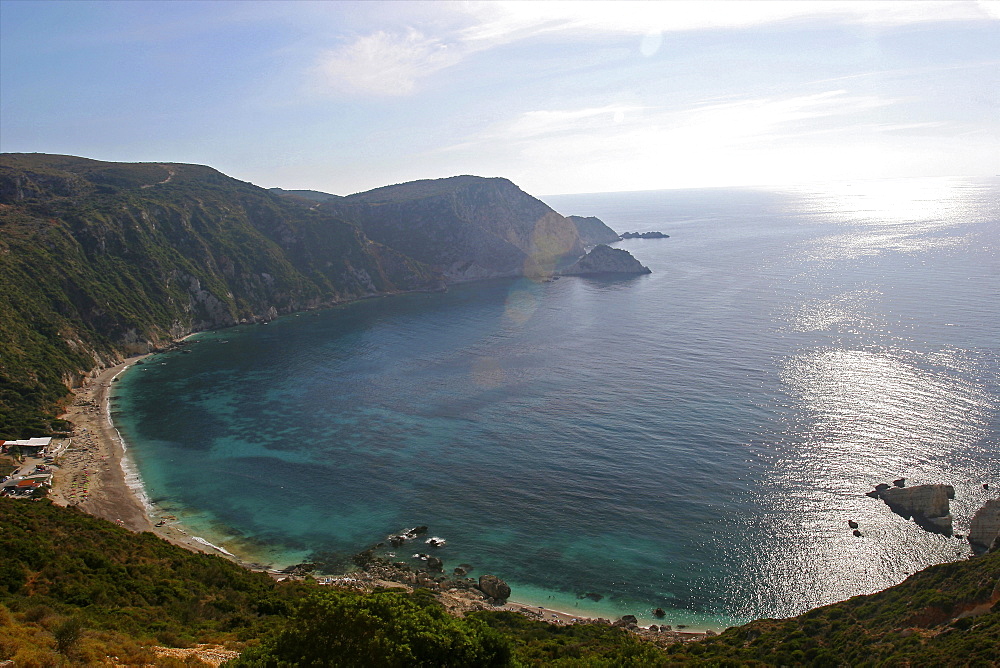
332	628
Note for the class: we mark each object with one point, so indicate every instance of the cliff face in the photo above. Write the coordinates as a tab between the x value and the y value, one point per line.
466	227
99	260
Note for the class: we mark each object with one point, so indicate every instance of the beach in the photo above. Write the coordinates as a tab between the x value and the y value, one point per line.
90	473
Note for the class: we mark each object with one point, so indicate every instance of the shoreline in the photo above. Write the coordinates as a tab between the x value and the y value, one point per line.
95	474
94	471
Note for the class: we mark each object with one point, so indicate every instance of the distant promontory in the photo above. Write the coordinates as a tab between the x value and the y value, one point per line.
606	260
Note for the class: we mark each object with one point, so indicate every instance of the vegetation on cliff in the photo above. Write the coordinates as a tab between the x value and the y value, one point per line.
100	260
945	615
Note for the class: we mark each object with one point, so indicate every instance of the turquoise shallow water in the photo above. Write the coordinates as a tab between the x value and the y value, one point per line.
695	439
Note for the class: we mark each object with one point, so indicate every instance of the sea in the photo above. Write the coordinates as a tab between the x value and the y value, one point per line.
695	439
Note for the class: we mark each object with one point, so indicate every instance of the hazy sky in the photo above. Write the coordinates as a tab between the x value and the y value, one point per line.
560	97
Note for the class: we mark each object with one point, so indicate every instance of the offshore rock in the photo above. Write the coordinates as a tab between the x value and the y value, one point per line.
926	504
494	587
644	235
984	534
605	260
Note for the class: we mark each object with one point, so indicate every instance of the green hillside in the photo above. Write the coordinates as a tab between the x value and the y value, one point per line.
100	260
75	589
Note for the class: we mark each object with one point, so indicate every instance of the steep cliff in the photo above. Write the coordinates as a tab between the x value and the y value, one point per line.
467	227
99	260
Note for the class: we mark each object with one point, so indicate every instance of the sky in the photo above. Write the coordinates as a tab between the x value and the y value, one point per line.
559	97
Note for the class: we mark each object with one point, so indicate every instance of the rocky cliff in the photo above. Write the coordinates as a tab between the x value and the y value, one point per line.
100	260
605	260
466	227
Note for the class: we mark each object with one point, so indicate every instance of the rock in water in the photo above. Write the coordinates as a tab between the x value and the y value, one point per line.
605	260
984	534
494	587
644	235
926	504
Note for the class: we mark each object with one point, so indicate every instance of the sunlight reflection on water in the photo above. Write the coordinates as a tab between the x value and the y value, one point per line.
867	407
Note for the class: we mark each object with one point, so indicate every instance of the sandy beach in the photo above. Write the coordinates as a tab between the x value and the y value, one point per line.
90	473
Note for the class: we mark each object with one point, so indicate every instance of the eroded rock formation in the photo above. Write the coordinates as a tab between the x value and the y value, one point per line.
927	505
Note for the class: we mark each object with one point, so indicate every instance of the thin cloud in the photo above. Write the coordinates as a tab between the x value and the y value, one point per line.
394	63
717	123
533	124
507	21
385	63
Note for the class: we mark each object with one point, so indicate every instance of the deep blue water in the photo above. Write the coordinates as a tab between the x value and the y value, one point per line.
694	439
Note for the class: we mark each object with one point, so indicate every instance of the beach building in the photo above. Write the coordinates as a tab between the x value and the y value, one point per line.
29	446
23	486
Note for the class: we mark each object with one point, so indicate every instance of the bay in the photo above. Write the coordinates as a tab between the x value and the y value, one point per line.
694	439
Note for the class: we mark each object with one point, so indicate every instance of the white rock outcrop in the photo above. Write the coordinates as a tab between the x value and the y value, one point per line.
926	504
984	533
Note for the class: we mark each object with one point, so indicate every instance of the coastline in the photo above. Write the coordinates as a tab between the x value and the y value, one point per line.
95	474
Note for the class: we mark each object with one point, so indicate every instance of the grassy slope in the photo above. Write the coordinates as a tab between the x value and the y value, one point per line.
125	589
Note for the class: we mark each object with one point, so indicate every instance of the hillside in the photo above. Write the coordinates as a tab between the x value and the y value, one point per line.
77	588
466	227
101	260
